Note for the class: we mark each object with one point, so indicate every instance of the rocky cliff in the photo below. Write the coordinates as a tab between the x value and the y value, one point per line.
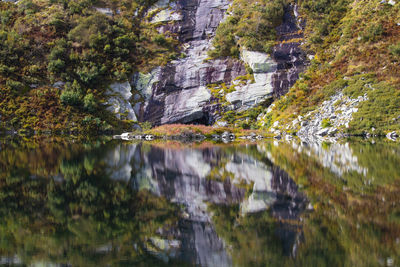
179	92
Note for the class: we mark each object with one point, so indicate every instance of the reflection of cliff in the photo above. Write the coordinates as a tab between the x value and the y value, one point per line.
196	178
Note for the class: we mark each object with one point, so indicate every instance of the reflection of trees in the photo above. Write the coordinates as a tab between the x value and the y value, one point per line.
80	217
355	221
256	239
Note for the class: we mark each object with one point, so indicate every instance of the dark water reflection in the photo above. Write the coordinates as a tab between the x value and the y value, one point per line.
279	204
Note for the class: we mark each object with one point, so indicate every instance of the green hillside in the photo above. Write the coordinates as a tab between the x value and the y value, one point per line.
357	51
43	42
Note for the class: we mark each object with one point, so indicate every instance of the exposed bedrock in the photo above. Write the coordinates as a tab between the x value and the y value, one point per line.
178	93
119	103
290	58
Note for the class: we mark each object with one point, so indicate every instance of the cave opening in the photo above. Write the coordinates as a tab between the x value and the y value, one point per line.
205	119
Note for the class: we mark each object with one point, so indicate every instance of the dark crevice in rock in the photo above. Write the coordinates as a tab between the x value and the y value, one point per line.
291	59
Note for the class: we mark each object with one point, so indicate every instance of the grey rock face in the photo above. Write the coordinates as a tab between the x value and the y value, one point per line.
119	101
251	94
177	93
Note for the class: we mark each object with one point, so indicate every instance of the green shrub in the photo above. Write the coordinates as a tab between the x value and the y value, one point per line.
56	66
88	27
15	85
159	39
70	98
381	110
89	102
251	26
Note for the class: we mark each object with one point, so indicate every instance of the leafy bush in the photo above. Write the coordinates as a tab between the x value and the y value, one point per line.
251	26
56	66
88	27
89	102
42	42
15	85
70	98
159	39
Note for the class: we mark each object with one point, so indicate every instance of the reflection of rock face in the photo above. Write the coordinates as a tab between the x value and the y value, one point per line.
119	162
181	177
339	158
193	178
289	203
201	245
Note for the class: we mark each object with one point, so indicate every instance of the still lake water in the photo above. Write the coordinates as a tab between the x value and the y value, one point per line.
116	203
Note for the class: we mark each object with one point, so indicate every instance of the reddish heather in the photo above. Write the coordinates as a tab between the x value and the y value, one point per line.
176	129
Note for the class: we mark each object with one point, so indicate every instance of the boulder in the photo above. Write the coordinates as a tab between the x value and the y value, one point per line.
149	137
119	95
251	94
59	84
222	124
228	136
127	136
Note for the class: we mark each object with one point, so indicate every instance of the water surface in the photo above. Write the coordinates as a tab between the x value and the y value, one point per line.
119	203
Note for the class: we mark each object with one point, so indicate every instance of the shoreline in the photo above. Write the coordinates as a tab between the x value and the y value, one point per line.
198	133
